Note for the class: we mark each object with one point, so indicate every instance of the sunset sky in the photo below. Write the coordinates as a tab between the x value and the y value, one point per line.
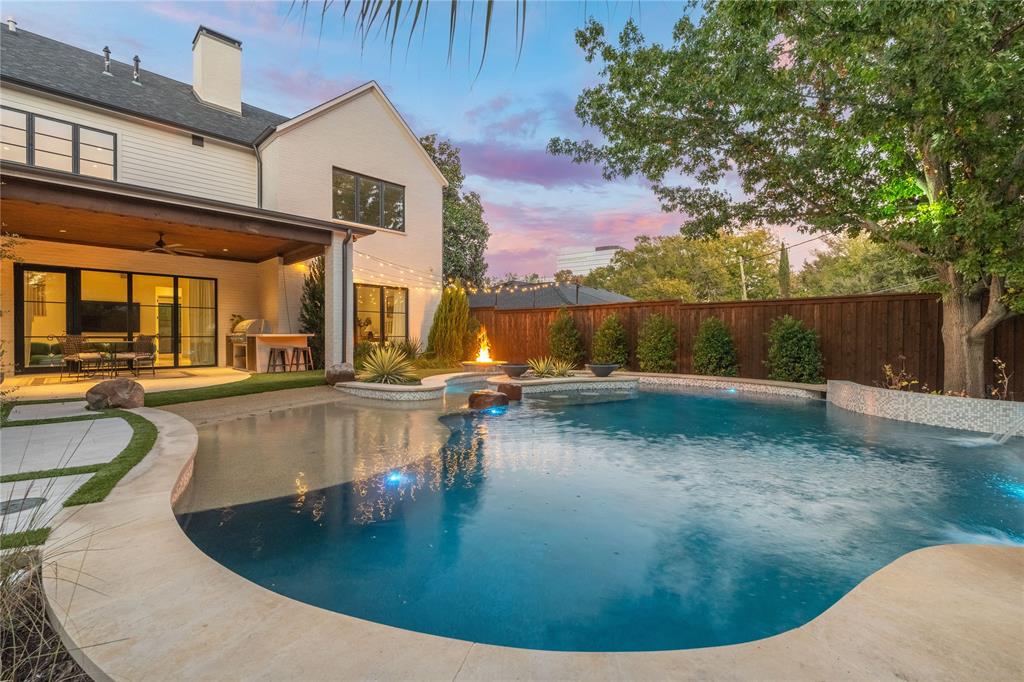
501	118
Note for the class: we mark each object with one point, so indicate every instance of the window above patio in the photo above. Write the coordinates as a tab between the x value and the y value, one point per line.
361	199
46	142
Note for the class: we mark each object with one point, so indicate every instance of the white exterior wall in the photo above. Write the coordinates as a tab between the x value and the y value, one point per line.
583	260
238	284
364	136
280	294
151	155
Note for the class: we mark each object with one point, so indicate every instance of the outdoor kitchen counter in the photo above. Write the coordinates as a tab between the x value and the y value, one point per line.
257	348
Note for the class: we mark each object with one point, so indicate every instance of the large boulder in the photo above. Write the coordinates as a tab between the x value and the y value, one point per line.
481	400
336	374
120	392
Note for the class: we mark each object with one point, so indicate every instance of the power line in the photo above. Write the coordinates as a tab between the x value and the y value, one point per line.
899	286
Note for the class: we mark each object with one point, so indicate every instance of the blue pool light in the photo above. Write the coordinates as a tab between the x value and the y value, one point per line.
394	477
1012	488
497	409
731	390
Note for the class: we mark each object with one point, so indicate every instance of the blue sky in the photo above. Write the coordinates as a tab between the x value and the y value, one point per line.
501	118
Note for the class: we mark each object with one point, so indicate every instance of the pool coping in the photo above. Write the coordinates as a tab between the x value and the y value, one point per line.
133	598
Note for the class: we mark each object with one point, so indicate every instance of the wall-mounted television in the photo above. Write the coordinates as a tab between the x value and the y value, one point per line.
108	317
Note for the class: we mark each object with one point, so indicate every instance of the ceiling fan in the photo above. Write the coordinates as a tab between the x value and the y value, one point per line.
160	246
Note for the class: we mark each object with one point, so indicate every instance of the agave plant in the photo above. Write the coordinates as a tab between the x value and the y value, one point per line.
542	366
387	365
562	368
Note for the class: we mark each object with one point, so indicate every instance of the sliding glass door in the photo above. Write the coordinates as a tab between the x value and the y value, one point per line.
180	313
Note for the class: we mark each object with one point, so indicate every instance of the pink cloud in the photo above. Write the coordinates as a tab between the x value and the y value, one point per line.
240	20
501	161
307	87
526	237
492	106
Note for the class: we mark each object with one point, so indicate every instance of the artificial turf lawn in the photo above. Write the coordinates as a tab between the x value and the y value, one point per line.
257	383
24	538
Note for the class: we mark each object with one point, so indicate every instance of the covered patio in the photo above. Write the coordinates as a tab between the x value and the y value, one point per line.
111	262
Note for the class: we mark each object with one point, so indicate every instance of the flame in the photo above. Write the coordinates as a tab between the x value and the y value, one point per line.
485	347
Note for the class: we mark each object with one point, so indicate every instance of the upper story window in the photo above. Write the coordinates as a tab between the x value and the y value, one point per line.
360	199
51	143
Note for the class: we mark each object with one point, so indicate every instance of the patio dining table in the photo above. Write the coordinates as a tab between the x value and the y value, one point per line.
116	355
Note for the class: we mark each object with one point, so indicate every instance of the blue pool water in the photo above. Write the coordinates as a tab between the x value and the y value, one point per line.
659	522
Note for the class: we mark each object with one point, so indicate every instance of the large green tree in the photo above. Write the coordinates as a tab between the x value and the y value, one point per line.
856	265
693	270
465	232
903	119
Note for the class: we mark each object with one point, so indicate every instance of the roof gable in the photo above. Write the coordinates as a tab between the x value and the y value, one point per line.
370	88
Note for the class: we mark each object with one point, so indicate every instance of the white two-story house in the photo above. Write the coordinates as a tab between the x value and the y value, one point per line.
148	206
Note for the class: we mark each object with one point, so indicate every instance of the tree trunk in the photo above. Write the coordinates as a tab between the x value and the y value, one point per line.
965	329
964	363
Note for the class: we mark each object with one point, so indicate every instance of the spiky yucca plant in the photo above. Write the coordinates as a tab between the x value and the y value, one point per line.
387	365
542	366
562	368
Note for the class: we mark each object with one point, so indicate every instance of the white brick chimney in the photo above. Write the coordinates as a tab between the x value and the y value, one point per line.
217	69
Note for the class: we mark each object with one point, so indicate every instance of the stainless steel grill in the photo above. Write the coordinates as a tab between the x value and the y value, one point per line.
248	328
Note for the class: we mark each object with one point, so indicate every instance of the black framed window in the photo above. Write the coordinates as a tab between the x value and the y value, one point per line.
361	199
61	145
382	313
112	306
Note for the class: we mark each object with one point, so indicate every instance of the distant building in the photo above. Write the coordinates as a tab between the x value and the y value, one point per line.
582	259
519	295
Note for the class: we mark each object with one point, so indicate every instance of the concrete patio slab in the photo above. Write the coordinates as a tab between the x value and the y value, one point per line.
71	408
49	387
52	490
61	445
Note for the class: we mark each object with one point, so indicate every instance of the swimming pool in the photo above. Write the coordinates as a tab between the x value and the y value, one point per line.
664	521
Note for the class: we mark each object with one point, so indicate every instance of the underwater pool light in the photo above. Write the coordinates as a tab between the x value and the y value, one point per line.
394	477
497	409
731	390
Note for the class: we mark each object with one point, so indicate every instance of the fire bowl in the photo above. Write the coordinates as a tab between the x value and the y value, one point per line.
514	371
602	370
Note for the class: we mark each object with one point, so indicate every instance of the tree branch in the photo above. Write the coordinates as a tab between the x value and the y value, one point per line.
996	312
1004	39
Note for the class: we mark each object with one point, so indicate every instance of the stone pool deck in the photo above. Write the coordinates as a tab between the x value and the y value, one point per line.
150	605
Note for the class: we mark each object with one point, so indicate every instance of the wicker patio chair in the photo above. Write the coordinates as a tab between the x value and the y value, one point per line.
75	354
143	354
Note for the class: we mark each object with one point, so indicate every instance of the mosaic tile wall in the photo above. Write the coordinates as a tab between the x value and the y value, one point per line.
969	414
673	381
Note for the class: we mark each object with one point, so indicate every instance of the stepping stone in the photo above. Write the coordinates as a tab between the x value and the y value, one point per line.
72	408
68	444
33	504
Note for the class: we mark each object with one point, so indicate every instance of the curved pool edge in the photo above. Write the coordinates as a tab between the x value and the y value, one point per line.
152	605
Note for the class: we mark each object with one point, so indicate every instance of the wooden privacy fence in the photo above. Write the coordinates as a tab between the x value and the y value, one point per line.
858	333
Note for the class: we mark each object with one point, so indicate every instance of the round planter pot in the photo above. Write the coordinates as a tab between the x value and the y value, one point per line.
602	370
514	371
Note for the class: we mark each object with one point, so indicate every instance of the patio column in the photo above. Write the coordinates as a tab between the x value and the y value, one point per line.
338	291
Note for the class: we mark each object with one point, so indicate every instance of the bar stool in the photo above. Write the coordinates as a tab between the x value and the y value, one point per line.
301	355
277	359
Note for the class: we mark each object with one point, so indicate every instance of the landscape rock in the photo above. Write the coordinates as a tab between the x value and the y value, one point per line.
120	392
512	391
481	400
336	374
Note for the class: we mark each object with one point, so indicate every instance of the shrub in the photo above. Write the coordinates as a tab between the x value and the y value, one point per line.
656	345
794	352
714	353
361	351
387	364
470	340
611	346
542	367
311	310
564	339
448	331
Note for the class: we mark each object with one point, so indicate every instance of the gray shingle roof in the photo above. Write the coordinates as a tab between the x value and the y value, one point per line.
46	64
549	296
